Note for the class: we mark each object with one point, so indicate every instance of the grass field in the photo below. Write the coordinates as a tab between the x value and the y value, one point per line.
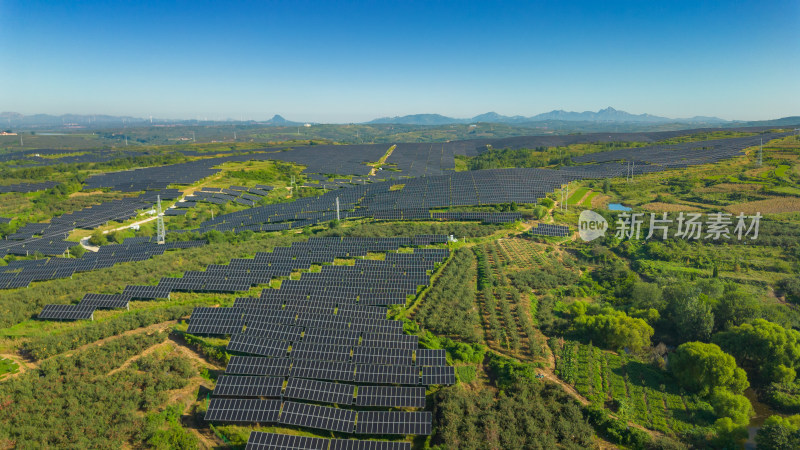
7	367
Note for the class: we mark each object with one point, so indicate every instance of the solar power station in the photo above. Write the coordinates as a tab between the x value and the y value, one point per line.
319	352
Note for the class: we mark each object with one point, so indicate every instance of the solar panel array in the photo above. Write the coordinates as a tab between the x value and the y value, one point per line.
547	229
49	238
158	177
413	201
67	312
21	273
661	157
272	441
333	346
27	187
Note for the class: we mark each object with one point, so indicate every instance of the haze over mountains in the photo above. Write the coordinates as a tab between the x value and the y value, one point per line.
608	116
604	115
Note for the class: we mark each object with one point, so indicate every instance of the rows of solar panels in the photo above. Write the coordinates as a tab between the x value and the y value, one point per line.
240	274
426	214
27	187
317	351
220	196
682	154
21	273
260	440
486	187
547	229
471	147
48	238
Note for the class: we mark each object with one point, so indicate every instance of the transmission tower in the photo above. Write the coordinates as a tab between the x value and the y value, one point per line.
160	219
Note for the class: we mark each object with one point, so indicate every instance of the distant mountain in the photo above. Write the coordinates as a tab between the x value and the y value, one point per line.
67	120
16	121
604	115
420	119
784	121
278	120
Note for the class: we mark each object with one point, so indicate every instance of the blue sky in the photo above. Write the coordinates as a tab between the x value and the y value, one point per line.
354	61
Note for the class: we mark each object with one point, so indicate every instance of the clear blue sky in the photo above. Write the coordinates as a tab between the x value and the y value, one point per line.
341	61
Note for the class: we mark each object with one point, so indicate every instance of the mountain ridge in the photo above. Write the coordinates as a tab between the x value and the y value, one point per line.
608	114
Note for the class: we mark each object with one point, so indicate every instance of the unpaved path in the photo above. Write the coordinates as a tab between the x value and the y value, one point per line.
21	363
548	374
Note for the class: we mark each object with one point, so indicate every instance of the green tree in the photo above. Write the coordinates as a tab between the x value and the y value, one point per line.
98	238
729	433
736	407
734	308
790	288
614	331
779	433
701	368
768	350
691	317
77	251
646	295
547	203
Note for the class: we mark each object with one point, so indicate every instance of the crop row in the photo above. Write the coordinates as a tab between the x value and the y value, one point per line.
635	391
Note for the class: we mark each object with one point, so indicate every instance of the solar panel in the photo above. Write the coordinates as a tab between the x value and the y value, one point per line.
67	312
215	326
380	374
394	422
319	417
320	391
438	375
248	386
431	357
323	370
259	440
256	365
391	396
242	410
353	444
393	356
257	345
100	301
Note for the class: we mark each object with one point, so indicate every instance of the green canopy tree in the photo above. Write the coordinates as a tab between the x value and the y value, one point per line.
767	350
735	406
734	308
779	433
614	331
702	368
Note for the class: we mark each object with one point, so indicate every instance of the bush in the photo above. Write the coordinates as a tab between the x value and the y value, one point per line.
98	238
779	433
47	346
616	430
77	251
702	368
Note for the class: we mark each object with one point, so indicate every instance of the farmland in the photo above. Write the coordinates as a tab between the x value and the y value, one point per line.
583	330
